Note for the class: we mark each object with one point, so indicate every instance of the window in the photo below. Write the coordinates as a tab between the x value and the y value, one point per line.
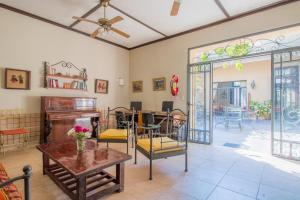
229	94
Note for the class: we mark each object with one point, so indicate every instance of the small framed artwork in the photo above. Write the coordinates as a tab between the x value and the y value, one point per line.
101	86
17	79
159	84
137	86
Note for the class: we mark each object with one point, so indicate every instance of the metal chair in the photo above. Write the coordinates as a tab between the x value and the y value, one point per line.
149	123
172	143
121	131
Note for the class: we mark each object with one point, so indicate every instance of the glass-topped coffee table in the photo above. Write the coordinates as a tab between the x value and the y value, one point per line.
81	175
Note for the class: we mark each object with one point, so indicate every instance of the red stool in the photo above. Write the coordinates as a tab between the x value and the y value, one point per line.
13	133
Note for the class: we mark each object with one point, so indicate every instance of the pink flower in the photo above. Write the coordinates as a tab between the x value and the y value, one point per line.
85	130
78	129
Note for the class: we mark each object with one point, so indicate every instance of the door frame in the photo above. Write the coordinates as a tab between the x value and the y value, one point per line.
206	129
267	53
281	155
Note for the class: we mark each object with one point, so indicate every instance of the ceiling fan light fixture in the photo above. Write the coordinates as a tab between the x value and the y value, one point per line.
104	3
104	24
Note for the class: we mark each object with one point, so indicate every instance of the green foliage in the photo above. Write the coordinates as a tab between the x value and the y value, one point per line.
204	57
219	51
262	110
239	65
236	50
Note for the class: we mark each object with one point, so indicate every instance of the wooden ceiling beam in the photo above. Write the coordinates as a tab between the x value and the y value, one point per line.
22	12
135	19
222	8
251	12
88	13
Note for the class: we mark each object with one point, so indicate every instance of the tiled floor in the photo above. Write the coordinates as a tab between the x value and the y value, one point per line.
254	136
215	173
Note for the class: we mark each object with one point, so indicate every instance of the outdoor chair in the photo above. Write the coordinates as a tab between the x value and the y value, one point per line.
119	128
171	143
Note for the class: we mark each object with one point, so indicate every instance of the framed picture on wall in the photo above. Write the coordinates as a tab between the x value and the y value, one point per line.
17	79
159	84
101	86
137	86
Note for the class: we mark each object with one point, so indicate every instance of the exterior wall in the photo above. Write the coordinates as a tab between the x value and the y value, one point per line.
259	71
26	43
170	56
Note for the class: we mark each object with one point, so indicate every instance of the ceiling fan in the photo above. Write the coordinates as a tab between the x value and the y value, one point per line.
175	7
105	25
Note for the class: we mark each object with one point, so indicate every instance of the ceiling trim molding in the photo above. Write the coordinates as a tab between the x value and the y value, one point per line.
251	12
137	20
222	8
22	12
88	13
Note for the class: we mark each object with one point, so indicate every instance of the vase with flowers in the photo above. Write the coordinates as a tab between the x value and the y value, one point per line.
80	134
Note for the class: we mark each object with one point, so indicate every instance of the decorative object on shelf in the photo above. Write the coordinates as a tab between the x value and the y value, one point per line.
101	86
174	85
137	86
17	79
65	75
80	134
159	84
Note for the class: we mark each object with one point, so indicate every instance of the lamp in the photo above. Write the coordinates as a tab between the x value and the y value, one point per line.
253	85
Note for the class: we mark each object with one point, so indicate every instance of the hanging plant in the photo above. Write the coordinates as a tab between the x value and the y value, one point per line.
237	50
219	51
239	65
204	57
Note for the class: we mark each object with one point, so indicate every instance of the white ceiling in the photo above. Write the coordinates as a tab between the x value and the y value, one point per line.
154	13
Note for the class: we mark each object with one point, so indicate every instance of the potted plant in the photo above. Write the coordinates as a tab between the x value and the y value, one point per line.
262	110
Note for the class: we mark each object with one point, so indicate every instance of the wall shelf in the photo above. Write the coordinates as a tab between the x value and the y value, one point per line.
65	75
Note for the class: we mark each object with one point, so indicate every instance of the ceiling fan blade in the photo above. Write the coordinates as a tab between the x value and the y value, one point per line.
115	20
95	33
84	19
175	7
120	32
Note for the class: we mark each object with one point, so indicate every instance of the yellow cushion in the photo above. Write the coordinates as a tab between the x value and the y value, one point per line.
117	134
160	145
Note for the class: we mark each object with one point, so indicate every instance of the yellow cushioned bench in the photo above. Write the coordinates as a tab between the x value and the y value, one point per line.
160	145
117	134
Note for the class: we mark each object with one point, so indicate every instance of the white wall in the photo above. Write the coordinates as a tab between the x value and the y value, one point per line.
25	43
257	71
170	56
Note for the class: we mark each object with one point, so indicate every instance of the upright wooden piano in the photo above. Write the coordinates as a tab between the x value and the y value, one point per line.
60	114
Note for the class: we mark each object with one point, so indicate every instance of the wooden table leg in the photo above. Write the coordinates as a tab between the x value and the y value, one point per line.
81	188
46	162
120	175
